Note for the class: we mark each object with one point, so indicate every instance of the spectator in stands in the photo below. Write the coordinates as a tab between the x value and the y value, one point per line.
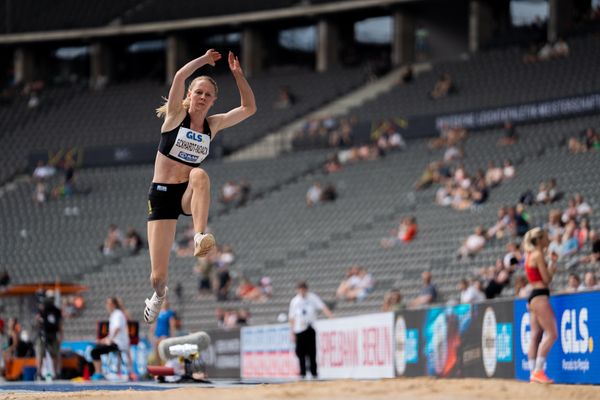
508	170
133	242
554	225
364	287
472	245
390	139
591	139
575	146
518	220
453	153
583	232
67	187
113	241
493	175
443	87
49	320
430	175
470	291
570	242
266	286
479	193
43	171
313	195
203	269
248	291
594	255
498	278
510	135
243	317
392	301
117	339
573	283
4	278
522	288
229	192
546	52
406	232
570	213
285	98
333	164
350	282
589	281
428	294
329	193
513	256
443	196
244	193
583	208
179	186
560	49
40	193
223	282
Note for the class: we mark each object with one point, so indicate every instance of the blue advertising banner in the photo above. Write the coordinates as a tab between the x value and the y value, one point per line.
573	358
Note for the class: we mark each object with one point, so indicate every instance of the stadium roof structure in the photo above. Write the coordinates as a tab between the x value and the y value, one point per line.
118	29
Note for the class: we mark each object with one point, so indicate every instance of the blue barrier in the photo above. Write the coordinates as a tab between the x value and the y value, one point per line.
573	358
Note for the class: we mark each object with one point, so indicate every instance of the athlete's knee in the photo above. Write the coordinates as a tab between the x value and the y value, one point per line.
551	334
199	177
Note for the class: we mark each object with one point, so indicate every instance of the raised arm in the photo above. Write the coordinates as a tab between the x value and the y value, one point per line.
247	103
177	91
546	272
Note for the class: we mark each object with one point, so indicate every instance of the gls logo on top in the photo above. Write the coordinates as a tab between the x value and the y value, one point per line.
194	136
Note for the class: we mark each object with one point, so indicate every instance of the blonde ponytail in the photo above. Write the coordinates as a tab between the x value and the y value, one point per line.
532	239
161	111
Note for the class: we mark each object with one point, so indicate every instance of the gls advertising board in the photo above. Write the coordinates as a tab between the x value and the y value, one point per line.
574	357
356	347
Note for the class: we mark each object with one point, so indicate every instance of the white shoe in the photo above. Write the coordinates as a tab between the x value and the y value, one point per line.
203	243
153	306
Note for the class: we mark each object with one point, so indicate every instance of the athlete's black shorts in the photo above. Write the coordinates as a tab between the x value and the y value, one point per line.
538	292
164	200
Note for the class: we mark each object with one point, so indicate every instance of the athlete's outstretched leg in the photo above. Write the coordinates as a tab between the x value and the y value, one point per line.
196	201
161	234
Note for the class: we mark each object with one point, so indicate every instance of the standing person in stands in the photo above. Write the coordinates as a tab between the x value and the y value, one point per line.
179	186
543	321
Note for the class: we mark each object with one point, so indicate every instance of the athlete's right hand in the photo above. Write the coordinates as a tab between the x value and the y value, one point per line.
212	56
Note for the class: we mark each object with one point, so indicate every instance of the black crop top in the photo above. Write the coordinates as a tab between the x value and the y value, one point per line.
184	145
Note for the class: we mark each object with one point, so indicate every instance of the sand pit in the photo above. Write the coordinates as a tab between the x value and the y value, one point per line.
403	388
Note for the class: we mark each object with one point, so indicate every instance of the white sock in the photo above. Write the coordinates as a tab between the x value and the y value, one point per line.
164	294
531	363
539	363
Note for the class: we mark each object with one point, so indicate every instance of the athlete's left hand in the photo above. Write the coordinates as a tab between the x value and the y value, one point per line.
234	64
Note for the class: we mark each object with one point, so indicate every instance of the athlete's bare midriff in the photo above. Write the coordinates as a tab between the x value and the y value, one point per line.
170	171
